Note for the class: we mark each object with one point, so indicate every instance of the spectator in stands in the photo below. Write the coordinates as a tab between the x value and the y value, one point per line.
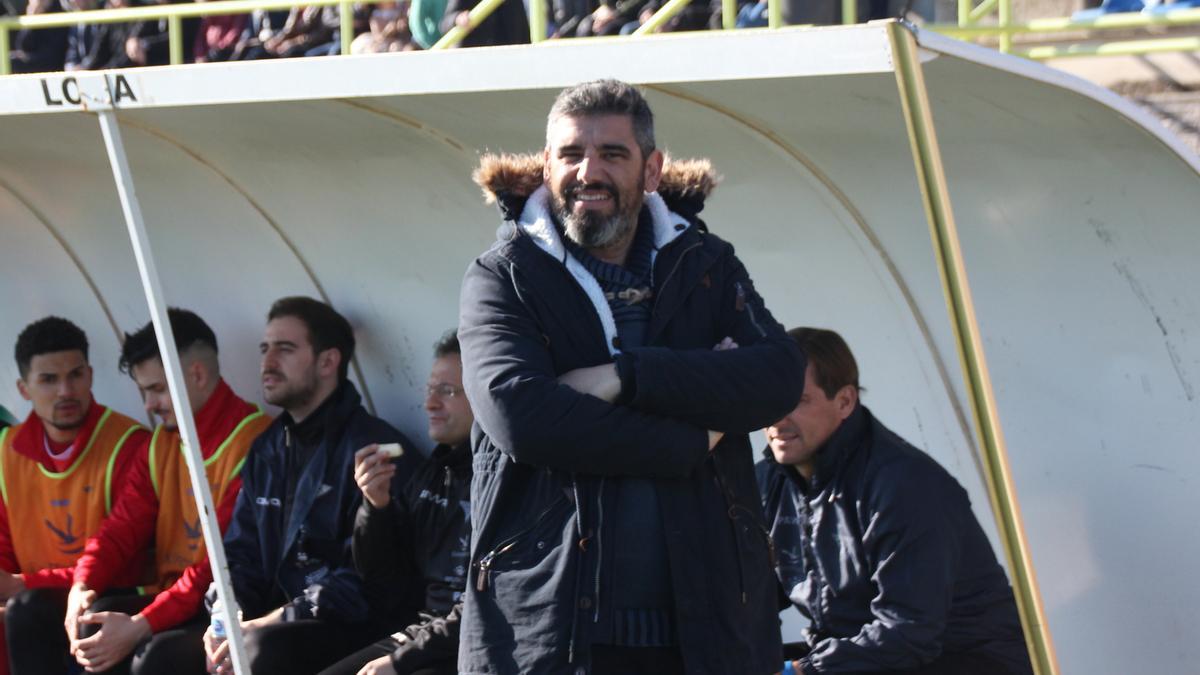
417	536
41	50
218	36
288	545
123	45
310	30
508	25
698	15
61	470
568	15
876	543
424	21
160	632
260	26
612	17
388	30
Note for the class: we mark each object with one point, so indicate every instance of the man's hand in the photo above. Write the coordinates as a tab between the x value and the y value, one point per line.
462	19
725	344
600	381
373	473
380	666
78	600
217	649
135	49
216	652
119	634
10	585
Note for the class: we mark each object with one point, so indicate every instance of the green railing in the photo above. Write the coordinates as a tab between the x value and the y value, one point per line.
1005	29
969	27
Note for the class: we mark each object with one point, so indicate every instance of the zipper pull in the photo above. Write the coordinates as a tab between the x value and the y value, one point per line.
485	565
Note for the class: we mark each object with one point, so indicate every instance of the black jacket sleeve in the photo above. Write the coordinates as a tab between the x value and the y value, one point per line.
383	555
519	403
432	641
734	391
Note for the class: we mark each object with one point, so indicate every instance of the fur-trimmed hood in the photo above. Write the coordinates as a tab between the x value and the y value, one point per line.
508	180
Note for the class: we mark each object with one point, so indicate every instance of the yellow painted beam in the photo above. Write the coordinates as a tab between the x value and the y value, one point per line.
662	16
931	177
475	17
1120	48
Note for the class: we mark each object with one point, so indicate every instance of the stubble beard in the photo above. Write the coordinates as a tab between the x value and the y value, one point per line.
293	395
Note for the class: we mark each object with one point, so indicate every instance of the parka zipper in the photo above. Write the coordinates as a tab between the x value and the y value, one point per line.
678	261
599	550
485	563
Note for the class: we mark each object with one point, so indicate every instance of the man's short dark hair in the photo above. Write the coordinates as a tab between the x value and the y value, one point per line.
46	336
607	97
142	345
833	363
326	328
447	344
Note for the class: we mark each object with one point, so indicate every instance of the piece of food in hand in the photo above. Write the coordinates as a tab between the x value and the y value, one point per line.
392	450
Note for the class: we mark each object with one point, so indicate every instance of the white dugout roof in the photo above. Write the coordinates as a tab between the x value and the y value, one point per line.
348	178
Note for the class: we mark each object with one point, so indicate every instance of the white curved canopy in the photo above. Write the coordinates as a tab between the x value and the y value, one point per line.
349	179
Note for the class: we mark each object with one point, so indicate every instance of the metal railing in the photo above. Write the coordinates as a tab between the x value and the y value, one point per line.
969	25
1005	29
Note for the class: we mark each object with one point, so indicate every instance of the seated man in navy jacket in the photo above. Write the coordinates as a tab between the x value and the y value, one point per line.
288	545
876	543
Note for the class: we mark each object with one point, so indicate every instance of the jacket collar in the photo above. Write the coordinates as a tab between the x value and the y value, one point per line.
834	454
455	457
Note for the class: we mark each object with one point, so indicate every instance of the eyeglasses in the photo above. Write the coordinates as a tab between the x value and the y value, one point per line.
442	391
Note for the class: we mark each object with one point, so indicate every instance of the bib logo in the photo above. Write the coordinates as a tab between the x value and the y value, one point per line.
193	532
68	91
69	543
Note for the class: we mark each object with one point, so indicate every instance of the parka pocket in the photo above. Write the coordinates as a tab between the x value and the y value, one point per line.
526	548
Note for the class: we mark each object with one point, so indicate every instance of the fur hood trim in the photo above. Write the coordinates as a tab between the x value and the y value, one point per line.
509	179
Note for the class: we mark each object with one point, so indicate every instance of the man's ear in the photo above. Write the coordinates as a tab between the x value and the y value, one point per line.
197	372
846	399
546	165
652	172
23	389
328	362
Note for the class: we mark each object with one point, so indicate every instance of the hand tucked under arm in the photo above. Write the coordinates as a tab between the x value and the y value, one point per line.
600	381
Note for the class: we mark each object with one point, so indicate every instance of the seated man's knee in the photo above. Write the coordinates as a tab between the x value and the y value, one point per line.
34	604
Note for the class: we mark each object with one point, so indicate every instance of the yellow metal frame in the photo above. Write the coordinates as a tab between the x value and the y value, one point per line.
967	26
475	17
931	176
175	14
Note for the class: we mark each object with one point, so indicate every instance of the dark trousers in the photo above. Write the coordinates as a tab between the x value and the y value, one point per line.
946	664
305	646
614	660
178	651
353	663
33	626
38	642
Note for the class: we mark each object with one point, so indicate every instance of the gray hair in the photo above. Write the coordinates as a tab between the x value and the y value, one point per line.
606	97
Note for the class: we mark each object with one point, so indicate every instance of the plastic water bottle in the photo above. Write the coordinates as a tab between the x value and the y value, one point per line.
217	620
217	624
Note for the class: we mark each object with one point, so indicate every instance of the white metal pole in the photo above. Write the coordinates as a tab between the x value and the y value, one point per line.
174	370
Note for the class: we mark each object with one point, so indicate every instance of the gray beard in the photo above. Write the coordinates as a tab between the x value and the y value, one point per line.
595	231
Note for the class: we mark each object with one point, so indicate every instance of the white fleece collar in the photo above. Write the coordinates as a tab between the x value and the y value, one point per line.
536	222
